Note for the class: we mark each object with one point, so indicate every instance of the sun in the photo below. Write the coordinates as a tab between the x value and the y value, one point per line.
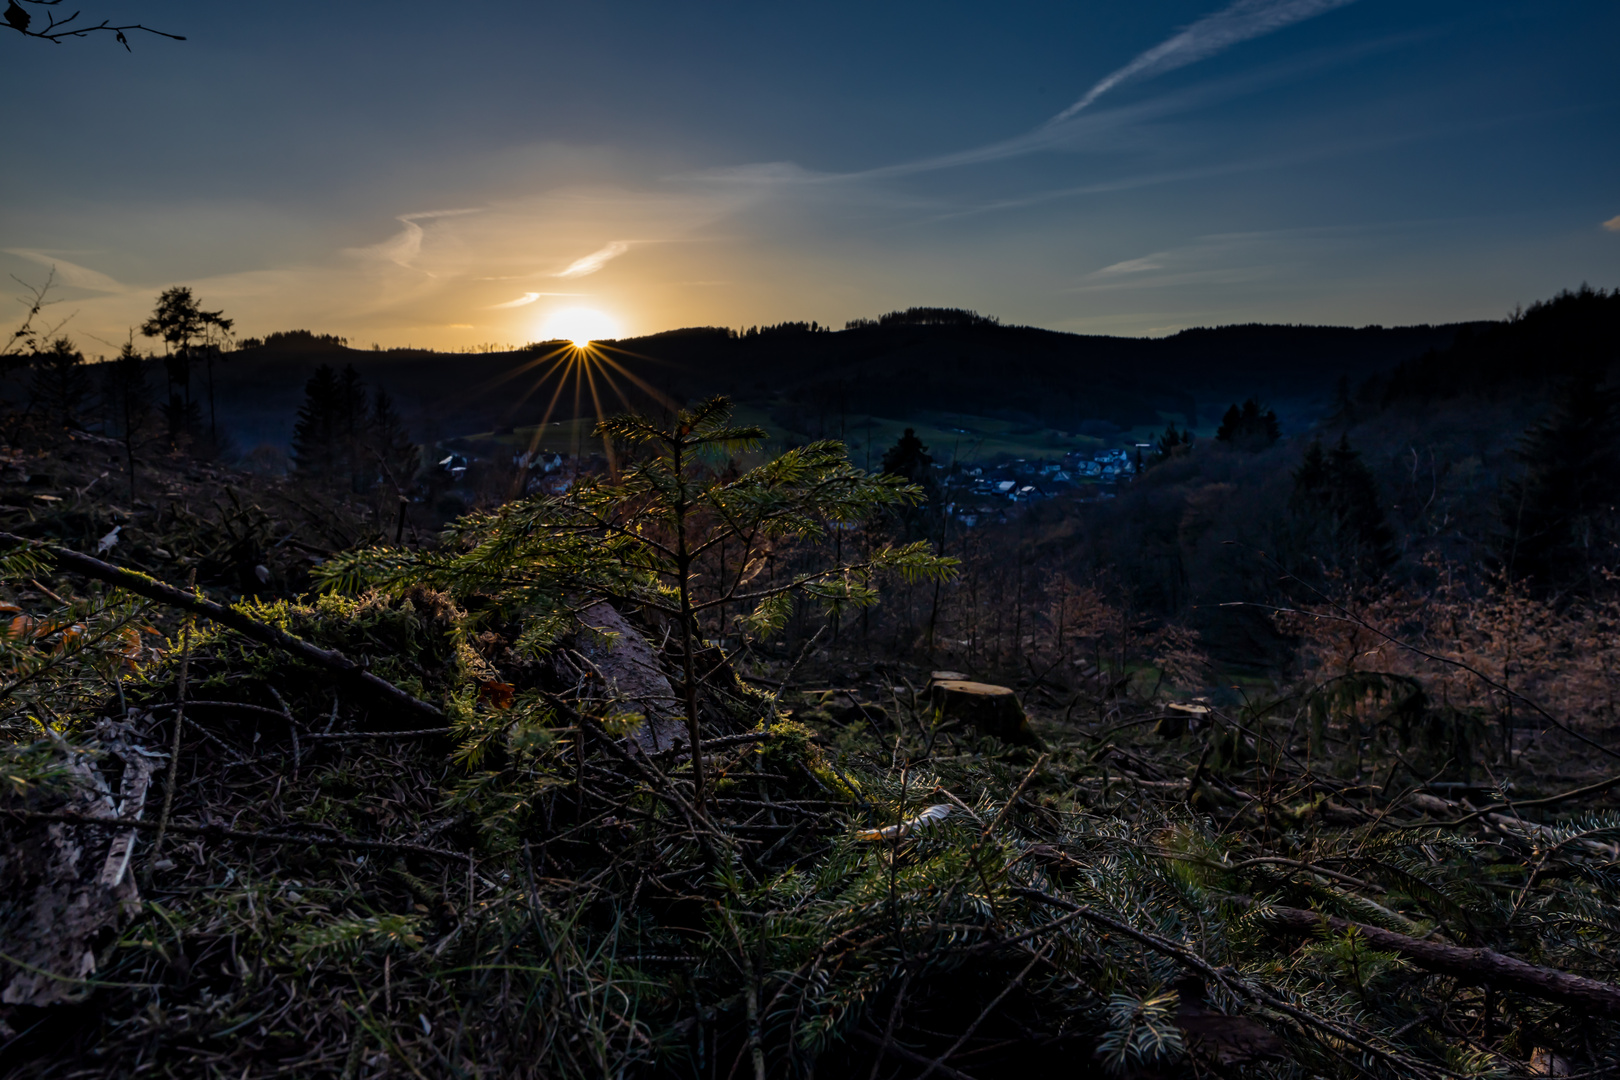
579	325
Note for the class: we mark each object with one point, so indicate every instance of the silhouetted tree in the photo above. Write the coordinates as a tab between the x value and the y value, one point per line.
1560	513
189	333
332	439
908	458
60	384
1335	514
315	442
183	419
390	444
23	342
127	402
1171	444
1249	428
355	459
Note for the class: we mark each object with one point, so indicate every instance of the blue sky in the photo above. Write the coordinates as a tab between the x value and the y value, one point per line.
455	174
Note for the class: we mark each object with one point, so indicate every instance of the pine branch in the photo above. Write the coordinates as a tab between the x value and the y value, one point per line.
152	589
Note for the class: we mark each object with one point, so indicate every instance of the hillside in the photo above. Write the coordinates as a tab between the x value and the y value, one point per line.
431	807
807	379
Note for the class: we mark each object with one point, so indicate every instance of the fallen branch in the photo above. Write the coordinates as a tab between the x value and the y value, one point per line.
1524	804
220	832
1232	981
152	589
1482	967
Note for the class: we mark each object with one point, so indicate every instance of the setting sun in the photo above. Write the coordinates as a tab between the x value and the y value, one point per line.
579	325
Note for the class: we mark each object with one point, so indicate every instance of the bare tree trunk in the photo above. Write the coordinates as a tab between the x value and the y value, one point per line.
683	570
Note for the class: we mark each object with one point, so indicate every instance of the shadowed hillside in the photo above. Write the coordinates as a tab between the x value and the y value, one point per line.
1043	377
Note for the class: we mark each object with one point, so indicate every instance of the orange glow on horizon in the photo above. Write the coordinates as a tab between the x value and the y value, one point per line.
579	325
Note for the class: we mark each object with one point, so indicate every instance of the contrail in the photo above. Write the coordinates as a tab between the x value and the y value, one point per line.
1212	34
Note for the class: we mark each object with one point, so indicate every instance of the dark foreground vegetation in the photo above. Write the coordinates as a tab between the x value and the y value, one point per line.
306	795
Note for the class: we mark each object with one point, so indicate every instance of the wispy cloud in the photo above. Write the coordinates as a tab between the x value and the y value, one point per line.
1613	224
1132	266
597	259
1096	127
71	274
1242	21
526	299
406	245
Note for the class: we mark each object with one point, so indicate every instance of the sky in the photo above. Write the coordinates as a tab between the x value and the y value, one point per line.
491	173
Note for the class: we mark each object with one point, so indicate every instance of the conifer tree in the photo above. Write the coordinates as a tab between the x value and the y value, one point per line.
316	447
642	537
908	458
126	399
350	421
1336	516
1172	443
1248	427
390	447
181	323
1561	514
60	383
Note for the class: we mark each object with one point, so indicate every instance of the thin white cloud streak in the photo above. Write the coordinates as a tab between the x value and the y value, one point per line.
526	299
1613	224
71	274
1092	127
593	262
522	301
1278	255
404	247
1132	266
1242	21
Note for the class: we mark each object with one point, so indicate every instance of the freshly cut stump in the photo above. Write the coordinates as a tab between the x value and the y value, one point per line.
991	710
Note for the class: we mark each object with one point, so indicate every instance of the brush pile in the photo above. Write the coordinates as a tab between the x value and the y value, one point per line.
228	856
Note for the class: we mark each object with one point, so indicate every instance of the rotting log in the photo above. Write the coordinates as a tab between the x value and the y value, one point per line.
991	710
142	585
1481	967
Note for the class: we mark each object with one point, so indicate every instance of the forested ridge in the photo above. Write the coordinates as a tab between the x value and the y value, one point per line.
1296	758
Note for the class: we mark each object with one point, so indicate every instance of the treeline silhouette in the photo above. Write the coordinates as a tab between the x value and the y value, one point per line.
925	316
1575	333
295	341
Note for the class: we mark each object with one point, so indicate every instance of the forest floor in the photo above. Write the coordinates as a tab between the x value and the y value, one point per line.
229	857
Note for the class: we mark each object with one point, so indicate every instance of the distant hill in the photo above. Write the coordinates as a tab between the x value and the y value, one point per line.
1554	339
884	368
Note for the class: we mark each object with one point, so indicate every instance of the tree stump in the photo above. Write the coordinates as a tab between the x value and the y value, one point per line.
991	710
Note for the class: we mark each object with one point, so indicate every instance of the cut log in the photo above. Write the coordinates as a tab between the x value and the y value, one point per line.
990	710
68	885
628	665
